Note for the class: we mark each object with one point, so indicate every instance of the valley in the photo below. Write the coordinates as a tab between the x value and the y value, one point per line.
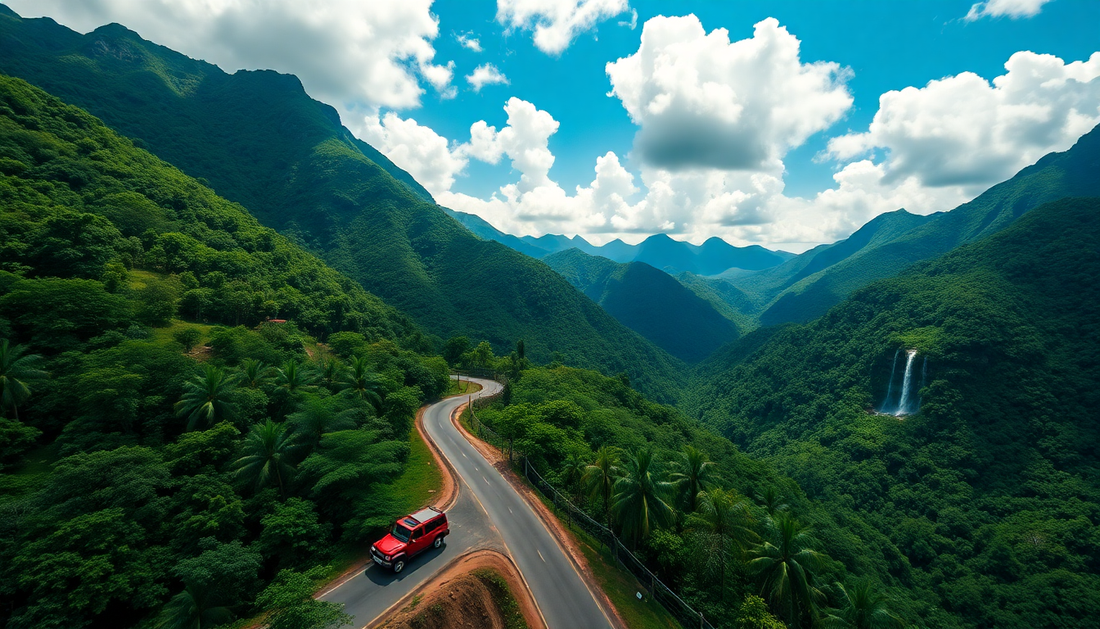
243	330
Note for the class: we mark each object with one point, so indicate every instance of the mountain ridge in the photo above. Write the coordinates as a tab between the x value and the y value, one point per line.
257	138
648	301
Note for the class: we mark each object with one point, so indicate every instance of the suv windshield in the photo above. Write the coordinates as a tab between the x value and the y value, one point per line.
400	533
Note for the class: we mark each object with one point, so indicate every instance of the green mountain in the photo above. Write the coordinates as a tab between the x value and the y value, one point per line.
648	301
805	287
989	489
259	140
164	448
82	202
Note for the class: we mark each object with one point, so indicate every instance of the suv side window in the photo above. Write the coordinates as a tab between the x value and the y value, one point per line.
433	525
417	533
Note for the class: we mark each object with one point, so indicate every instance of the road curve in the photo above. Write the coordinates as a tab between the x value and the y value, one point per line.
489	513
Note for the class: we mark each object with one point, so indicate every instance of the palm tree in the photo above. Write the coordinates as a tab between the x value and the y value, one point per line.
293	378
722	528
205	398
864	608
255	373
785	563
316	417
639	502
599	478
329	371
772	501
360	381
573	471
268	450
17	373
693	474
196	607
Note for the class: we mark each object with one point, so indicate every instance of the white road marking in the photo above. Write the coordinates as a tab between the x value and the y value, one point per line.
510	510
485	479
464	455
540	555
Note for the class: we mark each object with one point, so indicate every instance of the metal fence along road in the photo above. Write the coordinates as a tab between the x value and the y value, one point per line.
676	606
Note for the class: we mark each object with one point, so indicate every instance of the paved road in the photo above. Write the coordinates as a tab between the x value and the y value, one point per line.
489	514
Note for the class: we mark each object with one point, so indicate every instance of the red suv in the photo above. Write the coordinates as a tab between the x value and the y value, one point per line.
410	535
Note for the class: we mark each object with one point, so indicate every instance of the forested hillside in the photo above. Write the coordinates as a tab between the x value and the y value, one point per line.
990	489
259	140
166	453
805	287
648	301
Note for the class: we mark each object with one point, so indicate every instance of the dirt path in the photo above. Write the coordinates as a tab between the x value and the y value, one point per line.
463	602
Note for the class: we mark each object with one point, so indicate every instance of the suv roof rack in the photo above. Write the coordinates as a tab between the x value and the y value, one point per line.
426	514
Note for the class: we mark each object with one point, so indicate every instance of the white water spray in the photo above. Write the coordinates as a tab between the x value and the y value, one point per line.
907	384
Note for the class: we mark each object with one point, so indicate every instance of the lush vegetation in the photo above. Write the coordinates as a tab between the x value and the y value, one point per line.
648	301
679	495
202	460
259	140
988	496
805	287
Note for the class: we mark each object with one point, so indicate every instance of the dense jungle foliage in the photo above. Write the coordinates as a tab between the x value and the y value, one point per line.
723	529
260	140
648	301
989	494
166	453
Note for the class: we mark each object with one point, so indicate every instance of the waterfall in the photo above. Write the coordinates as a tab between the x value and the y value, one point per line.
890	386
907	384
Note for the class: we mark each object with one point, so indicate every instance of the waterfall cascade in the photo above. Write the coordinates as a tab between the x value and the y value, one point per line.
908	401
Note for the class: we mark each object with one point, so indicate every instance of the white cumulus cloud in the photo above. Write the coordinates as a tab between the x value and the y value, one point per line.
415	148
556	22
344	51
964	130
467	40
486	74
703	101
1014	9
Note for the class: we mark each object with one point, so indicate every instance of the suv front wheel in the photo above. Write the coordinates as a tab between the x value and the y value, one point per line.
399	565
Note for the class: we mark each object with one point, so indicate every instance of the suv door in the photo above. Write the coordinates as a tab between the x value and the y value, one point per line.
417	541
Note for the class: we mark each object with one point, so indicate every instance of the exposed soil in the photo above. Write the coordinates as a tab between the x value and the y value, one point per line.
458	598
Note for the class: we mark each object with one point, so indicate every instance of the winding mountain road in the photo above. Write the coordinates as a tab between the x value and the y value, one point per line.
489	513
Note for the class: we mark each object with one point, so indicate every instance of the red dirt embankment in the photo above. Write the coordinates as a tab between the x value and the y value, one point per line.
457	598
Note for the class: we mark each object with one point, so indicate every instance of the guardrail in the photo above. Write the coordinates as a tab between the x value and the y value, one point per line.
676	606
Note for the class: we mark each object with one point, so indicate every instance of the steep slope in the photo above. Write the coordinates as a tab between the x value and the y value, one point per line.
259	139
991	487
76	196
648	301
804	288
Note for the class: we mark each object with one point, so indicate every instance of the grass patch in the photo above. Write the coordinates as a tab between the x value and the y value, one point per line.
29	475
419	484
464	387
621	588
502	598
166	335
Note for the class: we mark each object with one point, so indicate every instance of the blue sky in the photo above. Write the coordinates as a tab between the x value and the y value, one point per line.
888	46
775	137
